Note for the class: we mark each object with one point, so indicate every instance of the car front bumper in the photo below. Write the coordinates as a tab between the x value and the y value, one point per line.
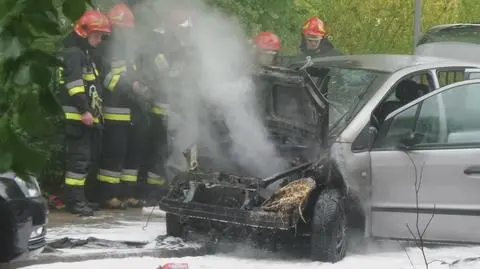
31	221
252	218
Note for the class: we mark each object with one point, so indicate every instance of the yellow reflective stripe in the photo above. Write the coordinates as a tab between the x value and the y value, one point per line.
118	70
76	90
129	178
156	181
89	77
108	179
158	111
74	181
129	175
116	113
113	82
117	117
77	116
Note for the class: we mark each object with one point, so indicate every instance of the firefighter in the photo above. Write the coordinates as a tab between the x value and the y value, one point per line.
268	46
314	40
139	103
152	65
161	64
119	81
81	101
179	28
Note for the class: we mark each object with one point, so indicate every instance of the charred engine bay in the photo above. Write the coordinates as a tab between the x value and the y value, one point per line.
240	200
213	188
224	191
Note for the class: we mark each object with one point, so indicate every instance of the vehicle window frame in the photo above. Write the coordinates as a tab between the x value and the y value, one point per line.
385	127
271	109
363	136
450	69
412	74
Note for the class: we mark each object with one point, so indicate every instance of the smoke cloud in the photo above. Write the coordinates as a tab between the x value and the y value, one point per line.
213	97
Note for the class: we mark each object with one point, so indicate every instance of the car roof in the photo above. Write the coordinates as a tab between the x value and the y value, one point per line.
453	25
385	62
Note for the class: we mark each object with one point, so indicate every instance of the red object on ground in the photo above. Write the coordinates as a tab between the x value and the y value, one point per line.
174	265
55	202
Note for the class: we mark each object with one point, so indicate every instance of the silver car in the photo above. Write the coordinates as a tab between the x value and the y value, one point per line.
368	129
413	146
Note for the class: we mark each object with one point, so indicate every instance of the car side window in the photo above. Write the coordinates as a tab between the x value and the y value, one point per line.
462	111
405	91
447	77
447	119
399	126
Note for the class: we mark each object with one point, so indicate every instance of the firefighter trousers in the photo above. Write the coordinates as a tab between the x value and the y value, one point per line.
114	150
154	184
131	166
82	149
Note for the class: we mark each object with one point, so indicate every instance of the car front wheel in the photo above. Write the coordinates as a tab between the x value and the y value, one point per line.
329	227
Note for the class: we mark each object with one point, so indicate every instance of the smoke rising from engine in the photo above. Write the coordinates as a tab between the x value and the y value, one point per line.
214	88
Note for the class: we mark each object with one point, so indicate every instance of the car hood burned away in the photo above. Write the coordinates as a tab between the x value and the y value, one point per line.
302	123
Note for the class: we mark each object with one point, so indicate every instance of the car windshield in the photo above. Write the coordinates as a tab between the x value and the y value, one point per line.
458	33
348	91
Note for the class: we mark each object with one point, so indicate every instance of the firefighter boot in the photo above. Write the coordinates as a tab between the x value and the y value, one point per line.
114	203
134	203
76	203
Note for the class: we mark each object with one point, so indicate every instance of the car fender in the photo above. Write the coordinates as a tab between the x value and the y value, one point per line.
9	189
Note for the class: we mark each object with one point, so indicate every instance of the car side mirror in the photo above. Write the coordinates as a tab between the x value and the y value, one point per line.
373	128
409	140
372	135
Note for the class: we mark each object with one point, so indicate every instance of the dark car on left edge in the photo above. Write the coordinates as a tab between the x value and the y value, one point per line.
23	218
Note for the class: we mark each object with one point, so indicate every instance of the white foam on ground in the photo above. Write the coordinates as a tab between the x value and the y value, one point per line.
393	260
154	210
138	231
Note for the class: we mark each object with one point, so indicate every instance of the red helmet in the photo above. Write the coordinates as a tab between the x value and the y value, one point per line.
121	15
91	21
314	27
268	41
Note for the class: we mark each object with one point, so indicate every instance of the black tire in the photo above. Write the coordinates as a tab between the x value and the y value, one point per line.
7	233
329	227
174	226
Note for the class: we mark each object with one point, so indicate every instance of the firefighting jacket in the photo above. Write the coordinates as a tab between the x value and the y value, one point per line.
118	75
80	88
153	68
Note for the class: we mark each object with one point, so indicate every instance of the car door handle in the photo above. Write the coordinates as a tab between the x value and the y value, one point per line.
472	170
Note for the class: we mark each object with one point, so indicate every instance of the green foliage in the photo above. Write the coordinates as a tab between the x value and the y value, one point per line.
355	26
29	31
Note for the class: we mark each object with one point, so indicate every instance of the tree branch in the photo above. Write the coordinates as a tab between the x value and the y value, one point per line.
418	237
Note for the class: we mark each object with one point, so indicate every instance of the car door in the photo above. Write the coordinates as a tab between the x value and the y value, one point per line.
437	177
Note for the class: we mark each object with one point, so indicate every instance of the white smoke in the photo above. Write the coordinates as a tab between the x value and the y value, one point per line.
216	85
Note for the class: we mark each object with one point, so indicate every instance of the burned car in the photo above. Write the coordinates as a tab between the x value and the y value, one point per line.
356	121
